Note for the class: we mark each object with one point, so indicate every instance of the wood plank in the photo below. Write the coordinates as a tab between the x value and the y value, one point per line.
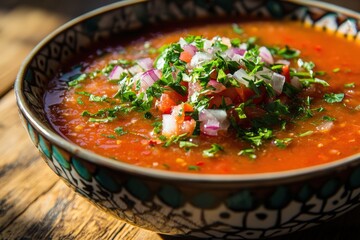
21	29
60	213
35	204
22	172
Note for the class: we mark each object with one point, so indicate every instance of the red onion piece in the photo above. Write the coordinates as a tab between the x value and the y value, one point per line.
190	49
212	121
148	78
116	73
218	86
265	55
235	54
145	63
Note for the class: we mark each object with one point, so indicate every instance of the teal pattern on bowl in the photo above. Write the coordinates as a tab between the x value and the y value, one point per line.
208	206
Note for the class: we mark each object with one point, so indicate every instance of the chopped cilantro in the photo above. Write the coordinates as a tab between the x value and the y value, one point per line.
349	85
334	97
120	131
79	101
78	78
328	118
187	144
193	168
249	152
308	133
237	29
109	136
211	152
148	115
282	143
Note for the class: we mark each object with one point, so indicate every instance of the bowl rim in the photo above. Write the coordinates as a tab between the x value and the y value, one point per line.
87	155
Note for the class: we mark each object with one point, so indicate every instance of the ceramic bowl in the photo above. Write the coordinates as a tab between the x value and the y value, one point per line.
206	206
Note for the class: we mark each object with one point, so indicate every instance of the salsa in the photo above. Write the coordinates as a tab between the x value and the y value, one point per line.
227	98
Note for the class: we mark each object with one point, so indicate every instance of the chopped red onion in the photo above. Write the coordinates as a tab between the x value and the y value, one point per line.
190	49
145	63
212	121
148	78
235	54
265	55
218	86
116	73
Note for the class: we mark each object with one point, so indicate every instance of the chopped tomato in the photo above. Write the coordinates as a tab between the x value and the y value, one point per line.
244	93
188	107
165	104
185	56
285	71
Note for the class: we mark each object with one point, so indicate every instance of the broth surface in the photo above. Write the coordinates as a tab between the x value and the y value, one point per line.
313	141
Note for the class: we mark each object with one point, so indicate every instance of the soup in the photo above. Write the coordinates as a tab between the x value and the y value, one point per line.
227	98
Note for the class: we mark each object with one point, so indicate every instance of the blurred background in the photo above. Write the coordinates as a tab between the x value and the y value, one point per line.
23	23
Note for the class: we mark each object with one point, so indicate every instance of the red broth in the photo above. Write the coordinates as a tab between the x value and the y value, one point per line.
315	140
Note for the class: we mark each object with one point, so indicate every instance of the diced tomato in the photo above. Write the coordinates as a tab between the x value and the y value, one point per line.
188	107
254	112
177	123
217	100
185	56
285	71
244	93
165	104
214	75
187	126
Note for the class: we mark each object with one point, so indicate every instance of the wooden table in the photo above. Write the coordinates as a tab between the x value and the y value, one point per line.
34	203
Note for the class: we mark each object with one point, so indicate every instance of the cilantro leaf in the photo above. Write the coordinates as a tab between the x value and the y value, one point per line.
334	97
211	152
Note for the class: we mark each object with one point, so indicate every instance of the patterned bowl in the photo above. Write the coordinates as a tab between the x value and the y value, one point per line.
206	206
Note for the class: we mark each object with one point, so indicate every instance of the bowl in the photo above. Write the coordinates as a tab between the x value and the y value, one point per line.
249	206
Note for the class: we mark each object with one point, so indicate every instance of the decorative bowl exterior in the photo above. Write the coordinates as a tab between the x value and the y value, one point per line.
206	206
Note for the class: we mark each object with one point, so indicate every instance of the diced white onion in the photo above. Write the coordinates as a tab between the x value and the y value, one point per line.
200	58
169	125
240	75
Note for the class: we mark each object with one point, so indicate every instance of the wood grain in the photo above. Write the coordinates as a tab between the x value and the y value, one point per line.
20	30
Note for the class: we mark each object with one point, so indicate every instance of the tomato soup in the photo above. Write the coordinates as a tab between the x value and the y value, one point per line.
227	98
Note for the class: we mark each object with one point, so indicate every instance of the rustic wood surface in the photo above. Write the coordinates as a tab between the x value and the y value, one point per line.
34	203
